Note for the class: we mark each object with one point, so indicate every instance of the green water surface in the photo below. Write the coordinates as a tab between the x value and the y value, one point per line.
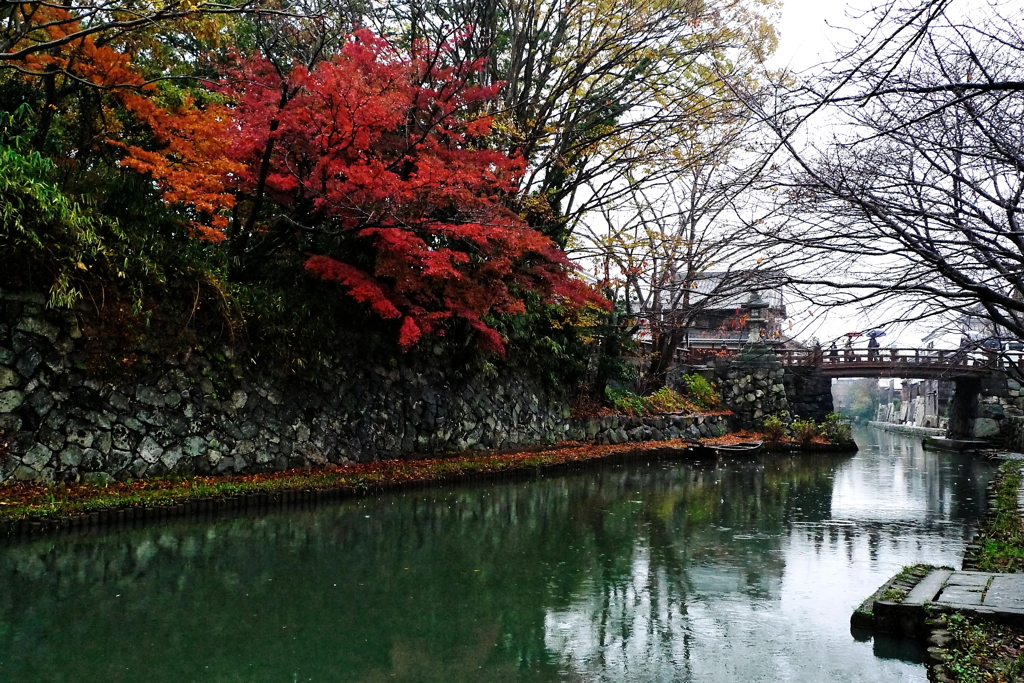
731	571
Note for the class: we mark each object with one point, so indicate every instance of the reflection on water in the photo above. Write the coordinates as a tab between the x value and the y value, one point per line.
739	571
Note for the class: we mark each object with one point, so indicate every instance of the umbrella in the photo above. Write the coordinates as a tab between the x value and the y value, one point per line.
876	333
852	334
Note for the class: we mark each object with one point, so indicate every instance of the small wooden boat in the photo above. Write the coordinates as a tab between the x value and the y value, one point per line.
742	447
710	450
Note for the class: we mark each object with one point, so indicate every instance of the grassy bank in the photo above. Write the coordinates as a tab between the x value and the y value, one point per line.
33	500
1001	540
980	650
26	501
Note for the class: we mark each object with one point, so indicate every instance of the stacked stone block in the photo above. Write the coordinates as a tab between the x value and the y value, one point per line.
193	413
616	429
753	387
809	393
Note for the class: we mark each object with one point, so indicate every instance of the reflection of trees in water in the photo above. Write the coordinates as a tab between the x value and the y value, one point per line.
701	532
894	488
454	579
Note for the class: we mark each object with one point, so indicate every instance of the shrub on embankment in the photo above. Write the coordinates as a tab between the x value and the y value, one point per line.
698	396
833	430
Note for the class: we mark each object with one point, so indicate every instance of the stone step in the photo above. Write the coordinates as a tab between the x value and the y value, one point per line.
938	444
928	588
999	597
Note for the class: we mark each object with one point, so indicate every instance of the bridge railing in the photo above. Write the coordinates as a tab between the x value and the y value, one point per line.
966	358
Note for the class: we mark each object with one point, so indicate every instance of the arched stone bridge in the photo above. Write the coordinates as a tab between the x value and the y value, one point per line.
902	363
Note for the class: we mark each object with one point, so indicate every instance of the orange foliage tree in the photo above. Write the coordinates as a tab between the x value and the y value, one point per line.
84	60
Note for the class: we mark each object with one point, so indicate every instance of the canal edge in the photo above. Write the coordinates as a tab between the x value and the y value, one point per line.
258	503
903	605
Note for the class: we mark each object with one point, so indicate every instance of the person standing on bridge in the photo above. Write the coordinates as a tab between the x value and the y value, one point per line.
833	353
848	349
873	349
965	344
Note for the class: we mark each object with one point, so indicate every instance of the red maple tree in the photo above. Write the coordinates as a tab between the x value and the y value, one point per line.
380	162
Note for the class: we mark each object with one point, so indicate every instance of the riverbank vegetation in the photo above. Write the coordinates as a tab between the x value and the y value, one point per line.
30	500
981	650
698	396
237	174
1001	539
780	429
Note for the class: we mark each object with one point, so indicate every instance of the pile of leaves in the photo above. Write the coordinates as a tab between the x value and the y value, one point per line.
983	651
732	438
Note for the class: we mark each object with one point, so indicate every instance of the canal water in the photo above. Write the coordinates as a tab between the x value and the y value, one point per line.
742	570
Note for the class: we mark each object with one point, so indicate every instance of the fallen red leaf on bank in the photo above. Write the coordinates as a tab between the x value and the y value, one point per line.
30	499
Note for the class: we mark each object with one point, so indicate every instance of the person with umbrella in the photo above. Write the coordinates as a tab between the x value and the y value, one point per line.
961	355
873	344
872	349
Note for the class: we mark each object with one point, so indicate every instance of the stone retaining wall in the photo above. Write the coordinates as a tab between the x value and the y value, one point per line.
809	392
753	387
998	411
1007	411
906	429
620	429
1013	430
193	413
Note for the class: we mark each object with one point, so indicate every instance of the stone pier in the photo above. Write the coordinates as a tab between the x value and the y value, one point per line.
753	386
894	609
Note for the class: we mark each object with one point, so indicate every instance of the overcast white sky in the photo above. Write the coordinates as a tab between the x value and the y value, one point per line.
808	32
811	32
